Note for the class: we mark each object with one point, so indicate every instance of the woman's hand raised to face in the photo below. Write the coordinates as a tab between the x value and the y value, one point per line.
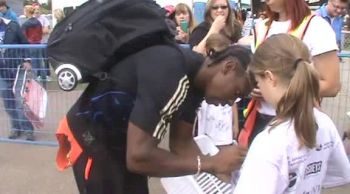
218	24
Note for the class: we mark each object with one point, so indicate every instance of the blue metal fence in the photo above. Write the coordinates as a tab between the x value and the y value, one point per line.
11	104
16	126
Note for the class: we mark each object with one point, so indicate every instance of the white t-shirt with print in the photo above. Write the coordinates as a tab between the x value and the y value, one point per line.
276	165
319	38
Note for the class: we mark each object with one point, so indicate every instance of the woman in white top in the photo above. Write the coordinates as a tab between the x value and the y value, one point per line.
300	150
285	16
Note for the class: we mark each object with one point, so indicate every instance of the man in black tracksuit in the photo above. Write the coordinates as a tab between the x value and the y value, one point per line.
119	122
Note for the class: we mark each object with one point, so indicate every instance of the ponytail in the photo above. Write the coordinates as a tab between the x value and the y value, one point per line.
288	58
298	103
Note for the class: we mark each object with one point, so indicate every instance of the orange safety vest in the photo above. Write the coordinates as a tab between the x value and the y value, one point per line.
252	109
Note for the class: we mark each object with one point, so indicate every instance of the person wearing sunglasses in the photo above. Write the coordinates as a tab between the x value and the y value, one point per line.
333	12
217	19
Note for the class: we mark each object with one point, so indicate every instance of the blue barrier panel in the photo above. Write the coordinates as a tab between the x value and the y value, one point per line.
23	46
344	54
198	11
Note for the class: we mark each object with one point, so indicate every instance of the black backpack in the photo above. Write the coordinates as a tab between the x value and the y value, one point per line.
100	33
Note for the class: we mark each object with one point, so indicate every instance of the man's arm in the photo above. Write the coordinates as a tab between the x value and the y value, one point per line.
181	139
144	157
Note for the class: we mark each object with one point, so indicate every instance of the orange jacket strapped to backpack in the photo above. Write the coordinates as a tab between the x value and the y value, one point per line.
69	149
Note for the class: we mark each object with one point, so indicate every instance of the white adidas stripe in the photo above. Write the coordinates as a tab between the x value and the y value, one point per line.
173	105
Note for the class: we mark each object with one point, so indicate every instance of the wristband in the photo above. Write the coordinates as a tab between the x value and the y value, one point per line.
199	165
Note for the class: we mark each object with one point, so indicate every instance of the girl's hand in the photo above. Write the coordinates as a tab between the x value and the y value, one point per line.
256	93
181	35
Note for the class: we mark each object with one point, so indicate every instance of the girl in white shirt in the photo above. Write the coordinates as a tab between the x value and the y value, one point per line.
286	16
300	149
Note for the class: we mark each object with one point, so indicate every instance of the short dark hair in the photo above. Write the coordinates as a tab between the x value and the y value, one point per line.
242	54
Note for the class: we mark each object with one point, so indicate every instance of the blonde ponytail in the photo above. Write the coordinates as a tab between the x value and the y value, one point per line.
298	103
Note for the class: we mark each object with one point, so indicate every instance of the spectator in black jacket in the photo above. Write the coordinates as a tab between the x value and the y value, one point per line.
10	33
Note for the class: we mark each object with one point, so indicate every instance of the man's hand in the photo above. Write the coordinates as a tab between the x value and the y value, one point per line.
229	159
224	177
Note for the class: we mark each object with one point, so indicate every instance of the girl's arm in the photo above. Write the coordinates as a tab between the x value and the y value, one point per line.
327	65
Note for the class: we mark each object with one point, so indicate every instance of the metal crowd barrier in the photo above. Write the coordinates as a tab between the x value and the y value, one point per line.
338	106
11	111
60	101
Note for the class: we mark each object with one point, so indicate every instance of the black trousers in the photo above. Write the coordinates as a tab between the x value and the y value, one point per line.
108	175
260	124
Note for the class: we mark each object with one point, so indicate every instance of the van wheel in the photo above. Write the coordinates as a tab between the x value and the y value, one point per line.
67	79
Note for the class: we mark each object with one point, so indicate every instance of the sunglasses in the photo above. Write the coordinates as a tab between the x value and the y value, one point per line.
216	7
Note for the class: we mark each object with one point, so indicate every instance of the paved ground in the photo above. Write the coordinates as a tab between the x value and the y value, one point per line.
28	169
